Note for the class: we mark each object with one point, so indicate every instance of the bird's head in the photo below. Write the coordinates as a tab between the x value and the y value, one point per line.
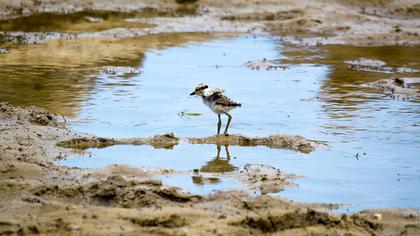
199	90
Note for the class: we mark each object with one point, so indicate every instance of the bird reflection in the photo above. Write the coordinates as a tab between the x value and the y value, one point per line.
217	165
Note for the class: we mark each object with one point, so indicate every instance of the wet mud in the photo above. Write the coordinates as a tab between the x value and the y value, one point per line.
396	88
303	22
122	199
371	65
157	141
125	200
265	65
295	143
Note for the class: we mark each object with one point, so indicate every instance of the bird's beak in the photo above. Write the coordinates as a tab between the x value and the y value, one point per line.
193	93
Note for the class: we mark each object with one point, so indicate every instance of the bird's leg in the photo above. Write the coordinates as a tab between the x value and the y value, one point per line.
228	123
227	153
218	152
219	124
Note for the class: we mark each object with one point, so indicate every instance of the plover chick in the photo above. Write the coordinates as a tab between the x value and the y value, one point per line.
217	102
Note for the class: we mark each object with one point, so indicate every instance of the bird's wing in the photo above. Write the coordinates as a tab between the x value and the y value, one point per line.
225	101
213	91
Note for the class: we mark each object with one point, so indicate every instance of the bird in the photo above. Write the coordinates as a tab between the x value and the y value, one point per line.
217	102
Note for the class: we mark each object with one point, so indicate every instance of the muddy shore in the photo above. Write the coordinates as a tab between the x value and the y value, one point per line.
350	22
120	199
41	197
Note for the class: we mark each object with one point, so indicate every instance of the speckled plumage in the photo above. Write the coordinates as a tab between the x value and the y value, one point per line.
216	101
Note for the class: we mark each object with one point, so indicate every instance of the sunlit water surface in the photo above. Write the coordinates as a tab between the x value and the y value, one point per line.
318	97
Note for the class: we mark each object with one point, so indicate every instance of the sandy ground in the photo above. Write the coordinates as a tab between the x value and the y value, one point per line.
349	22
39	196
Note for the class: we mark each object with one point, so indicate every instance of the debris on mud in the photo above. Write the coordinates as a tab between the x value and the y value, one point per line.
295	143
94	19
4	50
33	37
256	177
408	82
264	178
372	65
119	70
265	64
397	88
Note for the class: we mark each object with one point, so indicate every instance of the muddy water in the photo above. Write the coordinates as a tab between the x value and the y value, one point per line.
87	21
61	74
374	142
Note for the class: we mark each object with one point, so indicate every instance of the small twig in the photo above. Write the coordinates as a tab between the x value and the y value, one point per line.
65	121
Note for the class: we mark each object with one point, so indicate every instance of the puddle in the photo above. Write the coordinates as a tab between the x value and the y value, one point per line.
374	141
64	73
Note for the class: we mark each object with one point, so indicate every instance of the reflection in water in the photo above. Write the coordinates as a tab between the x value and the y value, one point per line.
61	74
344	88
343	93
318	97
86	21
347	100
217	165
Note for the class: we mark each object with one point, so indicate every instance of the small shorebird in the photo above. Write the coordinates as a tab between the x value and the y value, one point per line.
217	102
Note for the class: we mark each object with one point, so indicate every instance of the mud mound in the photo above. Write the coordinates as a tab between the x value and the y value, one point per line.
167	141
32	114
117	192
265	64
173	221
265	16
87	142
295	143
399	88
119	70
372	65
264	178
298	219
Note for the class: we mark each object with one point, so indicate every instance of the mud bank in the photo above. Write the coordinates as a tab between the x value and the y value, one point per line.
295	143
398	88
299	22
124	200
257	178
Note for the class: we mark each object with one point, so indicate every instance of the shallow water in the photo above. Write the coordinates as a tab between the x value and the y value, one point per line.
373	157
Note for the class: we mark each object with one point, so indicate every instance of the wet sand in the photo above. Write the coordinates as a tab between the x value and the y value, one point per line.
351	22
121	199
39	196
